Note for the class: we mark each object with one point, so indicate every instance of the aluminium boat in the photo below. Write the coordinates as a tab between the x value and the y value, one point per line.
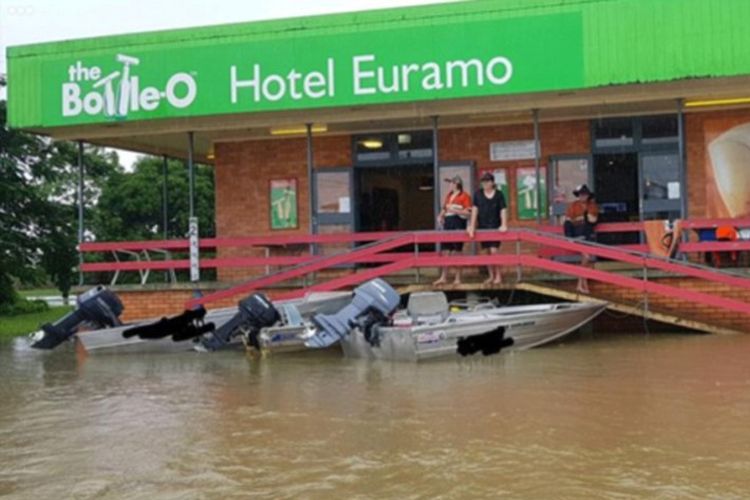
429	328
125	338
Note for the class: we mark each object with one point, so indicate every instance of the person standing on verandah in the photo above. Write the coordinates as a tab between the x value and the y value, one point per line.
580	222
489	211
456	210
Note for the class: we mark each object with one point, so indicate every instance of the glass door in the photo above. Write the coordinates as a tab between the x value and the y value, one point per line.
333	206
660	187
566	173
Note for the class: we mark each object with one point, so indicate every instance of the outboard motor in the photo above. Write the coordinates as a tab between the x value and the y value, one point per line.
254	312
99	307
375	298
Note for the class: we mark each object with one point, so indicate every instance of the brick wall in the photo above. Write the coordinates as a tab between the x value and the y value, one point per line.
473	144
244	169
144	304
668	305
243	172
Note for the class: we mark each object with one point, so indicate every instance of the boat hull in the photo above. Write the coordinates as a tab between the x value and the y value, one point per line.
110	340
526	326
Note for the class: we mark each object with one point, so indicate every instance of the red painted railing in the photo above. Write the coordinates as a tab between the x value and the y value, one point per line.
387	253
303	243
403	261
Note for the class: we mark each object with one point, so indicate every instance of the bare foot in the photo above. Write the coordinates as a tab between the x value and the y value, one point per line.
457	283
497	281
438	282
583	288
488	281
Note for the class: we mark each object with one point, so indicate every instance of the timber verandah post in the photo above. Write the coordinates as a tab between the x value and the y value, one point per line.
80	212
311	203
537	166
164	201
193	220
436	189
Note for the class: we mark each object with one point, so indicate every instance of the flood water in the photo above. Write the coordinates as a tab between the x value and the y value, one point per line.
632	416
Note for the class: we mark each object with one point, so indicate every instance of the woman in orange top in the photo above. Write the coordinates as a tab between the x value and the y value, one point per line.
453	217
580	221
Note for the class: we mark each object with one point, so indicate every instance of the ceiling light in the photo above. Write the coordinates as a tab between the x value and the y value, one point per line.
404	138
298	130
371	143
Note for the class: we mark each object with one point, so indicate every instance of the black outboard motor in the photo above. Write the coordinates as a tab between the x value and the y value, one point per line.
254	312
376	297
99	307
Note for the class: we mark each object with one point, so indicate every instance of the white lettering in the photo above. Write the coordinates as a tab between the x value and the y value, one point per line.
118	93
432	79
190	87
235	84
93	103
464	67
505	62
149	99
314	85
71	99
359	75
280	87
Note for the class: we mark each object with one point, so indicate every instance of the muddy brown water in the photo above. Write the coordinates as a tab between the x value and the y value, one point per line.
598	416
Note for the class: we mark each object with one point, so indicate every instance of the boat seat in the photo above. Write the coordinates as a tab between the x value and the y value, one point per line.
427	307
291	314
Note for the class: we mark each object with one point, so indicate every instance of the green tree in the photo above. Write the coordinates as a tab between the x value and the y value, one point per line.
130	205
38	198
22	205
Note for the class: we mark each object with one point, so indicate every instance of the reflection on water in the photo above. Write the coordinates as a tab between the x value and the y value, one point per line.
658	417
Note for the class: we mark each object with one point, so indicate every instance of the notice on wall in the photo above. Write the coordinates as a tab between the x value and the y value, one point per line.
673	190
283	201
345	205
512	150
526	192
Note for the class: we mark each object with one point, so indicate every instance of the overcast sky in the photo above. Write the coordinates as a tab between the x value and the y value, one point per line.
30	21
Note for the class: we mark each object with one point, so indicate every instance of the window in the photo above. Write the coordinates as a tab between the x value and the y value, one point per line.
333	193
661	177
414	145
373	147
659	129
393	148
569	174
613	132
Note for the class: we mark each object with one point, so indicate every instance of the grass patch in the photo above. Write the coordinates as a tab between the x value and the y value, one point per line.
13	326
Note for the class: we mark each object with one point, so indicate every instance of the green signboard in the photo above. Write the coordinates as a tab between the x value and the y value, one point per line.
431	52
297	71
283	197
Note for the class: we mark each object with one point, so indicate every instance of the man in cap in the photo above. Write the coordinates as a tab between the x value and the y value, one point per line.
582	214
453	216
489	211
580	222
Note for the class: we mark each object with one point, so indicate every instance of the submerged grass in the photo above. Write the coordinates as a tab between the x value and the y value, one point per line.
13	326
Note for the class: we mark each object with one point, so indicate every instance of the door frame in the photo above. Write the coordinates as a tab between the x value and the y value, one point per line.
641	149
554	208
332	219
659	205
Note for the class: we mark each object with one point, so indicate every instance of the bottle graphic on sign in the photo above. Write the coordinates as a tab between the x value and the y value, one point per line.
124	97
